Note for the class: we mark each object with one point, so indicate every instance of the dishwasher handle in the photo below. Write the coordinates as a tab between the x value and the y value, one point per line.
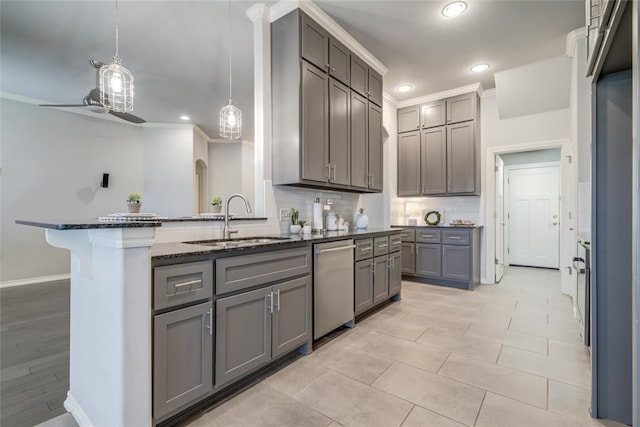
339	248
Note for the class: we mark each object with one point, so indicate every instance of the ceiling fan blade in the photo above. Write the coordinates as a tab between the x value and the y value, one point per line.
128	117
61	105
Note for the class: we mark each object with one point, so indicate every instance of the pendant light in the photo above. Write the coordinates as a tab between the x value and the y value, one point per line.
230	115
116	82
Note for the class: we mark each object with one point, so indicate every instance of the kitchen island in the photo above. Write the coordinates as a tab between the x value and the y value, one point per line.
114	312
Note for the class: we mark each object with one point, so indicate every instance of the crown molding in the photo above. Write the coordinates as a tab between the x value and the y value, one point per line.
476	87
572	38
489	92
258	11
283	7
386	95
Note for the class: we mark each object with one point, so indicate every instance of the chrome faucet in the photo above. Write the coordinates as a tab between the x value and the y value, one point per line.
228	231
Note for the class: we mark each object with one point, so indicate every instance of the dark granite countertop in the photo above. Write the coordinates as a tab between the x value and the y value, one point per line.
437	226
175	250
86	224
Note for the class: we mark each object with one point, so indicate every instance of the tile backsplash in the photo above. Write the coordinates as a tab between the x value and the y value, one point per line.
451	208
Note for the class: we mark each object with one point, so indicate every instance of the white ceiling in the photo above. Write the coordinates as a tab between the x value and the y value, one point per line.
177	50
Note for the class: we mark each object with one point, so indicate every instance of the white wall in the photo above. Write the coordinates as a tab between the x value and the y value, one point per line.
529	157
169	170
52	165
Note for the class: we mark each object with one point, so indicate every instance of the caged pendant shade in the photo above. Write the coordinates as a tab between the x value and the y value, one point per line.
230	115
116	82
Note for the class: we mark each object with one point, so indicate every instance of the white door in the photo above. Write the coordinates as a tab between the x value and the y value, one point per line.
534	237
499	218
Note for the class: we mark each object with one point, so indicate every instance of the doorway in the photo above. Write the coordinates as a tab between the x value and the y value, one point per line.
532	201
527	210
201	188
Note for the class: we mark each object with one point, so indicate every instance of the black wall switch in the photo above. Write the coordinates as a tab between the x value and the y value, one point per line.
105	180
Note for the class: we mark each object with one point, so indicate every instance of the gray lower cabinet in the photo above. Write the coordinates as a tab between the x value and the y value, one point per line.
380	278
448	256
363	286
408	258
377	274
428	259
455	262
395	273
182	357
256	326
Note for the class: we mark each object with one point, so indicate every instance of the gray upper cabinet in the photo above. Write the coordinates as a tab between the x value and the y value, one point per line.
408	119
315	79
461	159
409	164
434	161
433	114
359	142
359	76
315	121
339	61
375	87
462	108
375	147
182	357
449	148
243	334
315	43
339	133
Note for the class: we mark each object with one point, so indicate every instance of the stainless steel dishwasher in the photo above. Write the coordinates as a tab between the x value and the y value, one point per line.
332	286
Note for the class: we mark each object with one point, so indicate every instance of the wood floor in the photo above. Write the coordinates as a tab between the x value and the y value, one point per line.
34	359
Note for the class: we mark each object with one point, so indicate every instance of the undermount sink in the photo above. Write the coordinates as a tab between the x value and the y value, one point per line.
238	242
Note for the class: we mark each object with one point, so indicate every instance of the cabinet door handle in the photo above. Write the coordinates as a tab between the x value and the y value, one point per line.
411	249
270	296
333	68
389	263
327	174
210	325
333	167
278	295
327	65
373	268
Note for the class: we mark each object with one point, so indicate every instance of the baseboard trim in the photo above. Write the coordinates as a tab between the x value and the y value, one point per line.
34	280
72	405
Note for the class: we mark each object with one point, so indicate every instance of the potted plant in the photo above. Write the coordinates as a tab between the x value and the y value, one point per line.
217	204
295	226
133	203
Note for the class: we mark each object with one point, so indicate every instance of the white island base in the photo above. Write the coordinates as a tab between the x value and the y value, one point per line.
110	381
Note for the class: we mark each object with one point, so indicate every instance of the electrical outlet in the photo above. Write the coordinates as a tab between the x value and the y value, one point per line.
285	215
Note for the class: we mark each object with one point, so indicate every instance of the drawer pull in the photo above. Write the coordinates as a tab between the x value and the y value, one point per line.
185	284
384	245
366	248
428	236
454	237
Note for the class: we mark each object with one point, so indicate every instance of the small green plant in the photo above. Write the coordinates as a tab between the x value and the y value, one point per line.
217	201
302	223
133	198
294	216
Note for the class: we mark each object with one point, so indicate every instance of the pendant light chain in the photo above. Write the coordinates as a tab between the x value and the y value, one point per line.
117	32
230	50
230	115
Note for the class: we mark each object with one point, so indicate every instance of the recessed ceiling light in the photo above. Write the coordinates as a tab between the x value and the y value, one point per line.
404	88
454	9
480	68
183	117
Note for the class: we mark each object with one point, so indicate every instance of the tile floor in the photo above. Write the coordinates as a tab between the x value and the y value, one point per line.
503	355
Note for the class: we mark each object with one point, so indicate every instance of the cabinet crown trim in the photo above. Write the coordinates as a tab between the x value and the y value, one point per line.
476	87
283	7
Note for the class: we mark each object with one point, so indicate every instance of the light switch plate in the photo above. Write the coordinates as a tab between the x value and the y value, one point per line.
285	215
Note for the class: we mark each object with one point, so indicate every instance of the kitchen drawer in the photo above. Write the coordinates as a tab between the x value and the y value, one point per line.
364	249
182	283
428	235
380	246
455	237
245	271
395	243
408	235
